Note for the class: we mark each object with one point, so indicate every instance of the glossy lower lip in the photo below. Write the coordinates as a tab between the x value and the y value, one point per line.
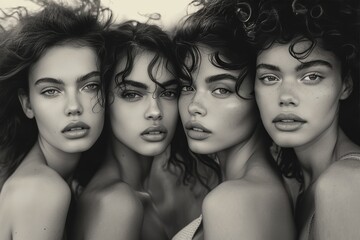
289	126
193	125
75	125
154	136
288	117
197	135
76	133
196	131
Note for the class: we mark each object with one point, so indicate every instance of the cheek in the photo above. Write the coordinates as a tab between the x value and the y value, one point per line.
92	104
266	101
323	109
170	111
321	101
46	111
119	116
262	96
48	121
98	119
123	124
95	103
244	116
236	117
183	106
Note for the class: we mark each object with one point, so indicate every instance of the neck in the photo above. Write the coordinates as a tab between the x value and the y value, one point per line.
234	160
133	168
316	156
62	162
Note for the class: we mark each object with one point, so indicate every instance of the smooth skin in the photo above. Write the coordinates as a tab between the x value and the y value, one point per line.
136	194
63	86
313	89
251	203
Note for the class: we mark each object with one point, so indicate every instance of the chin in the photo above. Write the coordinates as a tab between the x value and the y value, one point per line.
76	148
201	148
151	151
284	144
288	142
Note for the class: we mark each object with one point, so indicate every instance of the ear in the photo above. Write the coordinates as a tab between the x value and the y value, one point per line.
347	87
25	103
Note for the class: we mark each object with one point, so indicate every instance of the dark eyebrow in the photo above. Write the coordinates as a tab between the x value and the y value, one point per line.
302	66
87	76
60	82
48	80
220	77
170	82
134	84
305	65
268	67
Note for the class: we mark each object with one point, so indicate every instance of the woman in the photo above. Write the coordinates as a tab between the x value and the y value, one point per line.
220	118
134	195
50	87
307	91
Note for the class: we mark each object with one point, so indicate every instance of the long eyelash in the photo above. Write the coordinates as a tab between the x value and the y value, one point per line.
267	76
317	75
47	90
187	86
227	90
94	86
126	92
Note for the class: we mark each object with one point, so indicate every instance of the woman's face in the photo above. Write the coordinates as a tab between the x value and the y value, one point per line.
214	117
298	101
63	87
143	115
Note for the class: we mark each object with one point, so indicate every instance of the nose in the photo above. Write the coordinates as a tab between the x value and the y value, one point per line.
73	106
196	106
288	95
154	110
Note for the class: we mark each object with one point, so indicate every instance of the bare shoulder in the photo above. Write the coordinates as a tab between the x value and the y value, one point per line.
246	193
247	209
260	185
113	211
108	197
36	204
36	187
341	176
337	204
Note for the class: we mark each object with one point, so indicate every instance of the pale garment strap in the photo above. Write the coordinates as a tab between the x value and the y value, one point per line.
188	232
354	155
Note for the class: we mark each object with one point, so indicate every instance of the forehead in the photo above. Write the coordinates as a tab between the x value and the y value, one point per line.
204	53
64	62
205	66
139	71
280	54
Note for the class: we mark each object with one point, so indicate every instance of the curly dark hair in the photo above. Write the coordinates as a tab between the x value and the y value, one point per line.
334	25
215	25
126	41
21	46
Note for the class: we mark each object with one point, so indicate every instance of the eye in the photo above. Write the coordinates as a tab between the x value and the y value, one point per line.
51	92
91	87
312	78
131	96
269	79
170	94
187	89
221	92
